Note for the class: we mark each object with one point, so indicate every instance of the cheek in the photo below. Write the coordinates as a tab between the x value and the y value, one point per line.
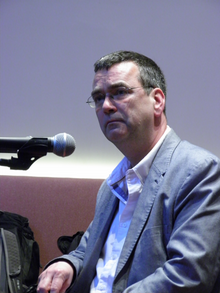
134	114
100	118
141	117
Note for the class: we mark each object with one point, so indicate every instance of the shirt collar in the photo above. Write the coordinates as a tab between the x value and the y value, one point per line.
141	169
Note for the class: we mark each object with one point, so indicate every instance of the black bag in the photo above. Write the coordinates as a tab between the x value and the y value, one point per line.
66	244
19	255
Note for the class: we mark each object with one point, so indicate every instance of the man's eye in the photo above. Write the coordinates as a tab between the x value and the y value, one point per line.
98	98
121	91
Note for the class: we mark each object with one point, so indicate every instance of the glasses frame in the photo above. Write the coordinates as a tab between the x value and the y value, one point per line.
92	104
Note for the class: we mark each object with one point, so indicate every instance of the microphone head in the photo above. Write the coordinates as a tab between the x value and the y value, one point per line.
63	144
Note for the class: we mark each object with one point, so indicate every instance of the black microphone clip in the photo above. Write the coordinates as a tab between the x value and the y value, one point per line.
27	155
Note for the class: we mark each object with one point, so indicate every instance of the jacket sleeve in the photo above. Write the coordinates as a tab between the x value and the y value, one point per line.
74	258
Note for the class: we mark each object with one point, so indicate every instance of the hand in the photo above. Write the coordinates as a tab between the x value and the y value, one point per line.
56	278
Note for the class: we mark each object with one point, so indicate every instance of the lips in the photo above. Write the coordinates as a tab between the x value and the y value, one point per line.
113	121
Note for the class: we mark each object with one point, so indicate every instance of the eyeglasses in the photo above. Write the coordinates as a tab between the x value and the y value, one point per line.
119	93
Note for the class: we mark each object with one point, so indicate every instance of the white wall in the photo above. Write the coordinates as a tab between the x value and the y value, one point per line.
48	48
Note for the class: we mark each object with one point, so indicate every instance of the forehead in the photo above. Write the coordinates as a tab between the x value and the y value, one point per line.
124	72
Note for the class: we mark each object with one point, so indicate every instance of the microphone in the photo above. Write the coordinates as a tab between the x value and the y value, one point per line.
61	145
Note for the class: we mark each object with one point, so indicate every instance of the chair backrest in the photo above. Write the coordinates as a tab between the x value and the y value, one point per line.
54	207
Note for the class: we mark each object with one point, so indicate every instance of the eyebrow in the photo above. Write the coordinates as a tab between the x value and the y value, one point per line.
112	86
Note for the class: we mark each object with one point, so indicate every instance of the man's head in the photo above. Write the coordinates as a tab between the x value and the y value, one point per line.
151	76
130	115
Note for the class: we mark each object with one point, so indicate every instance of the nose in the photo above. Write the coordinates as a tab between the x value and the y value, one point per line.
108	105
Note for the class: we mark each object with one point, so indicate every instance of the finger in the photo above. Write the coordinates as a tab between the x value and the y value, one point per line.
56	279
60	282
44	282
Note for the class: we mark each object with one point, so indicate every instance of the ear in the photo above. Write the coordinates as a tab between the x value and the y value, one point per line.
160	101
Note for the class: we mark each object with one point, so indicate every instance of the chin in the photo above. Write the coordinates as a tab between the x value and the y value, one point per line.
115	137
115	133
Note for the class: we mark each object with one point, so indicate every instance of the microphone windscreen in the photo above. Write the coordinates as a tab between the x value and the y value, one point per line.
63	144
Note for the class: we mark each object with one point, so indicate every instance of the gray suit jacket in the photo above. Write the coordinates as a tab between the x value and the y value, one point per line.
173	243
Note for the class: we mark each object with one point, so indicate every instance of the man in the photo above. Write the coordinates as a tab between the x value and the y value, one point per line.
156	227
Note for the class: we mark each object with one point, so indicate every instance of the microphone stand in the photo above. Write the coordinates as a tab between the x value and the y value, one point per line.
27	155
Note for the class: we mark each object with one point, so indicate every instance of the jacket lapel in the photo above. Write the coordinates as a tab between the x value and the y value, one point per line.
99	231
107	204
147	197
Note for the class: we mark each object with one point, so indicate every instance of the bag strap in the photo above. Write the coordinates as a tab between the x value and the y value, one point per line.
12	261
3	274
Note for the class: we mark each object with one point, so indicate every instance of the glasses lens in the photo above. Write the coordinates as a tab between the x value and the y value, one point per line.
91	102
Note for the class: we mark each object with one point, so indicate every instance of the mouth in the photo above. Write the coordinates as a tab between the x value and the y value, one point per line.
113	121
